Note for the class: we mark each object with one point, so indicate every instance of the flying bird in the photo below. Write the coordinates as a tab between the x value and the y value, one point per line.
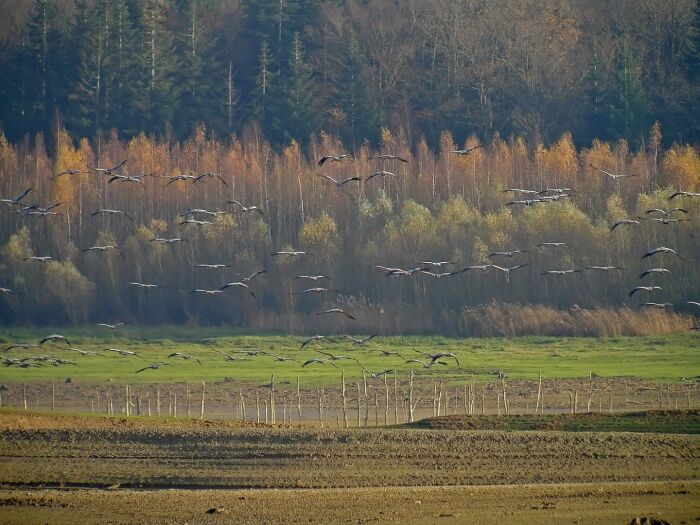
290	253
331	158
436	264
661	249
237	284
526	202
664	220
380	174
109	171
55	337
439	355
113	326
124	353
154	366
341	183
651	271
206	292
508	270
177	178
168	241
317	289
252	276
212	266
100	248
657	305
613	176
195	222
386	156
245	209
229	357
18	199
312	277
603	268
23	345
333	357
145	285
69	172
520	191
560	272
551	244
508	253
465	151
317	361
317	338
666	212
106	211
623	222
684	194
336	311
375	375
126	178
210	175
41	259
426	365
649	289
361	340
186	357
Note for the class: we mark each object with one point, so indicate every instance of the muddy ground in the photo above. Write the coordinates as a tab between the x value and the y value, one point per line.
97	470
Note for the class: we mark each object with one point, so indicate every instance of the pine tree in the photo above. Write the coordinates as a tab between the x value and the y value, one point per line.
629	108
354	98
301	117
157	67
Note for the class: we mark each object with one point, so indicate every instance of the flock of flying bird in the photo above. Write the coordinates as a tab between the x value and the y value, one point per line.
435	269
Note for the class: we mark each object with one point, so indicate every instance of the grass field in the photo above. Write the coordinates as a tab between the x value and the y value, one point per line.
656	358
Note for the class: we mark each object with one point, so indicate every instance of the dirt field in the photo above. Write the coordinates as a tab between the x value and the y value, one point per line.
51	468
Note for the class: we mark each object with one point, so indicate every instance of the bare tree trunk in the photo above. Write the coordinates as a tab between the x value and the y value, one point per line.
148	398
320	406
590	391
174	404
240	392
265	401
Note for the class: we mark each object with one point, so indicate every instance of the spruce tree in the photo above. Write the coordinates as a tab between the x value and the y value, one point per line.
299	93
629	106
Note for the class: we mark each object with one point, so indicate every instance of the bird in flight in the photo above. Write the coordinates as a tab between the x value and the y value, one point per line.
361	340
245	209
613	176
206	292
387	156
465	151
331	158
341	183
666	212
18	199
113	326
195	222
184	356
312	277
375	375
317	361
426	365
290	253
317	338
317	289
69	172
551	244
508	270
623	222
41	259
252	276
652	271
684	194
176	178
237	284
649	289
124	353
126	178
439	355
109	171
337	311
229	357
661	249
560	272
145	285
657	305
210	175
435	264
507	253
55	337
168	241
520	191
333	357
380	174
525	202
212	266
603	268
664	220
100	248
153	366
22	345
106	211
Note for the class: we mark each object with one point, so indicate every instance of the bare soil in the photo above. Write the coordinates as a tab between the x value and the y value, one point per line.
56	469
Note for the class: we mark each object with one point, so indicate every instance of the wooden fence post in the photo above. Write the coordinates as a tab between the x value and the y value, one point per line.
158	401
201	411
359	413
298	400
410	398
396	400
24	395
345	407
386	402
187	396
272	399
539	394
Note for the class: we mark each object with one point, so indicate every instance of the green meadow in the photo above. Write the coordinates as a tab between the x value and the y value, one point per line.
657	358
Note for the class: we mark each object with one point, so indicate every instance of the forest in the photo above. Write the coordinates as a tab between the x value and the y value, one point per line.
606	69
469	99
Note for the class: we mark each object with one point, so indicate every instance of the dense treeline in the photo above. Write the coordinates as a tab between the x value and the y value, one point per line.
535	68
440	206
